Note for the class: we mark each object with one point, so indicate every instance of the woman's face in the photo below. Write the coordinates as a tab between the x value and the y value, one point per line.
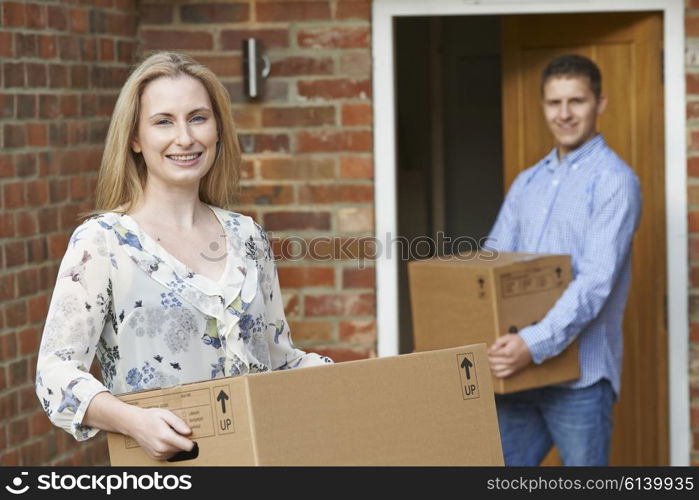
176	131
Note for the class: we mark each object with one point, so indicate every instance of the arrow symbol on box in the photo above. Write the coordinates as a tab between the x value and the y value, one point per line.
222	397
467	365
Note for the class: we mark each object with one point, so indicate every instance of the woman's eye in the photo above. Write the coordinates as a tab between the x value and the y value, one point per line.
198	118
162	122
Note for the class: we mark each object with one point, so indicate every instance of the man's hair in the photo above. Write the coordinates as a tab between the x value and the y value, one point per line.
574	65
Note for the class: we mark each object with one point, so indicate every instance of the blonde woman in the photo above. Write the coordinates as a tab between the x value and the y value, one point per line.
163	283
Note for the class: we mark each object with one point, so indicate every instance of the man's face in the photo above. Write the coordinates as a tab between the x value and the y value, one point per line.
570	110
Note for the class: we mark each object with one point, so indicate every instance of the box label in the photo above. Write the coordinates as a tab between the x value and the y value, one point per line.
467	373
194	407
531	281
224	409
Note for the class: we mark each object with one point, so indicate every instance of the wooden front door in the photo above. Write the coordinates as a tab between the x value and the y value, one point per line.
628	49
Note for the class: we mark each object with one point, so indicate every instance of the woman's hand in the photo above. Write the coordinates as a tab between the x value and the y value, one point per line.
160	432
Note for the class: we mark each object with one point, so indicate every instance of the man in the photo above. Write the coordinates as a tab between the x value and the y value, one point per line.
582	200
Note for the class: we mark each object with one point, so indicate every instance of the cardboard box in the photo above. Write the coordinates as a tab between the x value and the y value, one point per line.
431	408
478	297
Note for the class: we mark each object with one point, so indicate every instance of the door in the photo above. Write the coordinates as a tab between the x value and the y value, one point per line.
628	49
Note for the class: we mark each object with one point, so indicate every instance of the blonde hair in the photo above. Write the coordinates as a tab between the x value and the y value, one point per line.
123	174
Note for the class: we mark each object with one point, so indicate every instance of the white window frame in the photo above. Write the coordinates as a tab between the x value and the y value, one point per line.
384	12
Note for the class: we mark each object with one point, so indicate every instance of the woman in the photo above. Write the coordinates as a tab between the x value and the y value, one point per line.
163	284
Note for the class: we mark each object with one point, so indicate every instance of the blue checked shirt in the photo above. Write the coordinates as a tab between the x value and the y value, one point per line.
587	205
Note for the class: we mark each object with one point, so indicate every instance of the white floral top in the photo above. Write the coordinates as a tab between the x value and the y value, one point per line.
152	322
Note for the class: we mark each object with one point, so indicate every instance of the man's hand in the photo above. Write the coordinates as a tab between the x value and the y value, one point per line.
508	355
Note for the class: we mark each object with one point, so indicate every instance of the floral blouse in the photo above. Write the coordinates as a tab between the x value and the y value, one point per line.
152	322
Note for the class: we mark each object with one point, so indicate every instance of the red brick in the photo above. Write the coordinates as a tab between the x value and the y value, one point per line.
302	66
270	38
7	167
694	332
16	314
355	64
7	287
7	106
307	141
266	195
36	16
58	76
299	277
29	341
291	305
126	51
310	330
69	105
6	47
260	143
334	37
10	459
37	250
26	106
228	65
69	47
58	190
37	134
25	165
39	424
693	222
215	13
77	19
289	10
353	9
155	13
340	354
9	405
13	195
57	245
37	75
3	386
15	253
358	278
18	431
49	106
694	140
57	17
14	74
78	76
693	195
247	117
69	217
691	25
337	88
693	166
177	39
692	110
358	332
7	225
247	170
339	305
26	45
356	167
106	49
13	14
298	116
356	114
336	193
276	221
297	168
38	307
47	46
25	222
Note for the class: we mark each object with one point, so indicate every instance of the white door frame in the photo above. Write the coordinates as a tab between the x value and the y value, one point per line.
675	172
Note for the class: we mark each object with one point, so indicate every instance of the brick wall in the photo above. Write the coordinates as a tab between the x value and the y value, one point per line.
61	67
307	170
692	82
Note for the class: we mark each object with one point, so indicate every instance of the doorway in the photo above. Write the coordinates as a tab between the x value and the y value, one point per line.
477	124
